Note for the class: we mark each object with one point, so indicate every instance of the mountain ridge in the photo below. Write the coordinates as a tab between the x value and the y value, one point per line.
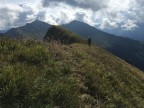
136	34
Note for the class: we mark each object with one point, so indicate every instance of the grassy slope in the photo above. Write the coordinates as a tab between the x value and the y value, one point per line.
37	75
57	33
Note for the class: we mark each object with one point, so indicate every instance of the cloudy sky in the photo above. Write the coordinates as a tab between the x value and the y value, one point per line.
103	14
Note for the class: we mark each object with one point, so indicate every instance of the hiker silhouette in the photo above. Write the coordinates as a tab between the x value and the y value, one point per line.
89	42
2	44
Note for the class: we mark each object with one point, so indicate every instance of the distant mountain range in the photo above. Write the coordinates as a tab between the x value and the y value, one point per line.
129	50
137	33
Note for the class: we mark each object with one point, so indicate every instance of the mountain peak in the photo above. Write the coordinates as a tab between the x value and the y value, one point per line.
76	21
37	21
79	24
36	29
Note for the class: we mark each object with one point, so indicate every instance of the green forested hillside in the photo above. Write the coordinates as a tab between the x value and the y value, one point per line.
52	75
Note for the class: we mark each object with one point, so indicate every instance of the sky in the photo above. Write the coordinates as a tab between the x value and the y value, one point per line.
103	14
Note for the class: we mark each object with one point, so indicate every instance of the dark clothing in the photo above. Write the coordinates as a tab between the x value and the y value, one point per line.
89	42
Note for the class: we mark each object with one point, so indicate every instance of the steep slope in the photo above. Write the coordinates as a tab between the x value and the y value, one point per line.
35	74
130	50
36	29
57	33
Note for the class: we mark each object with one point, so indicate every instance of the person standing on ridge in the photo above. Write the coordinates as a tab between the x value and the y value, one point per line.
89	41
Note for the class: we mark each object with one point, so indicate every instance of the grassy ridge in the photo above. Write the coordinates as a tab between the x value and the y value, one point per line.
40	75
56	33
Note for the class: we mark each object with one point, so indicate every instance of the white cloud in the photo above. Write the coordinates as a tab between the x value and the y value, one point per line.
129	25
107	24
9	14
58	15
86	4
107	14
13	15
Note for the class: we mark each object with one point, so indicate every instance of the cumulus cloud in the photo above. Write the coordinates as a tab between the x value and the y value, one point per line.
80	16
140	2
90	4
129	25
27	15
105	14
107	24
9	14
12	15
59	15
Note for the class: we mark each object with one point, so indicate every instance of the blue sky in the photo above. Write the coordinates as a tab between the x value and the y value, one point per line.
103	14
